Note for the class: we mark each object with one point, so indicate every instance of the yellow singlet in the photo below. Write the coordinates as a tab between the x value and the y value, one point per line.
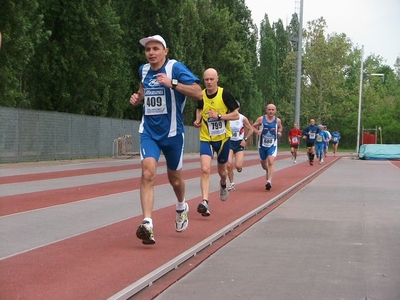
214	130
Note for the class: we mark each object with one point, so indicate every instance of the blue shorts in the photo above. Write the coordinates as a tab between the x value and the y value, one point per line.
265	152
236	147
172	148
221	148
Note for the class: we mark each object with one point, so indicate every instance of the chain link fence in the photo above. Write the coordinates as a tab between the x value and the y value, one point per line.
31	135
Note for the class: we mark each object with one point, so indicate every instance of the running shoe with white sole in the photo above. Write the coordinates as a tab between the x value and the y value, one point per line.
204	209
268	186
231	187
145	233
182	220
223	193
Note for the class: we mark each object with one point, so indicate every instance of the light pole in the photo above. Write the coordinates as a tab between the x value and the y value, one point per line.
360	96
298	74
377	74
360	100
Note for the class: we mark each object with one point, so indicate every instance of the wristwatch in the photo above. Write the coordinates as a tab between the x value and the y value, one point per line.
219	116
245	139
174	83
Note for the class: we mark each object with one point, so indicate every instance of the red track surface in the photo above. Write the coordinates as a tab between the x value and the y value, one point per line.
99	263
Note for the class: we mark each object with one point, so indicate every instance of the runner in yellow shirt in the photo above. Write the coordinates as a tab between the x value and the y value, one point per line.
212	117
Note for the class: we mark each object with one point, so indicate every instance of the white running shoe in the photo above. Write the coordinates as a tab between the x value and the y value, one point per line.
223	193
231	187
182	220
295	162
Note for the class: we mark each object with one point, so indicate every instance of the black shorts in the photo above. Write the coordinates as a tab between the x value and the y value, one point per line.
295	146
309	145
235	146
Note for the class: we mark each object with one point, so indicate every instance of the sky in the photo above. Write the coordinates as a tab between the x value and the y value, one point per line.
374	24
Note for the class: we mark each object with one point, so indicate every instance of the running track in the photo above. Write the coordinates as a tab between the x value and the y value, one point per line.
69	228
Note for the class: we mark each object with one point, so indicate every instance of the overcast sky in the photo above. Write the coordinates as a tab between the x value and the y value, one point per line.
372	23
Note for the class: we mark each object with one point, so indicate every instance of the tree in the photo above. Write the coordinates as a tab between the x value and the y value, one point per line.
268	74
83	57
20	26
227	39
189	49
76	69
282	50
325	59
381	99
288	72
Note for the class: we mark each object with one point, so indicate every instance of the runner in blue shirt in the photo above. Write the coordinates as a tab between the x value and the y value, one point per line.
165	84
320	143
310	134
335	140
270	130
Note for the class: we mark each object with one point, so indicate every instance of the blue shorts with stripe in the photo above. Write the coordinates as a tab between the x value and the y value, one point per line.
267	151
171	147
221	148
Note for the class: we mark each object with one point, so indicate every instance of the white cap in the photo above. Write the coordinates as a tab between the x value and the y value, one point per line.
153	38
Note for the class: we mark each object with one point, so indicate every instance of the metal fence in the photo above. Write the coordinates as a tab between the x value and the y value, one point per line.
31	135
